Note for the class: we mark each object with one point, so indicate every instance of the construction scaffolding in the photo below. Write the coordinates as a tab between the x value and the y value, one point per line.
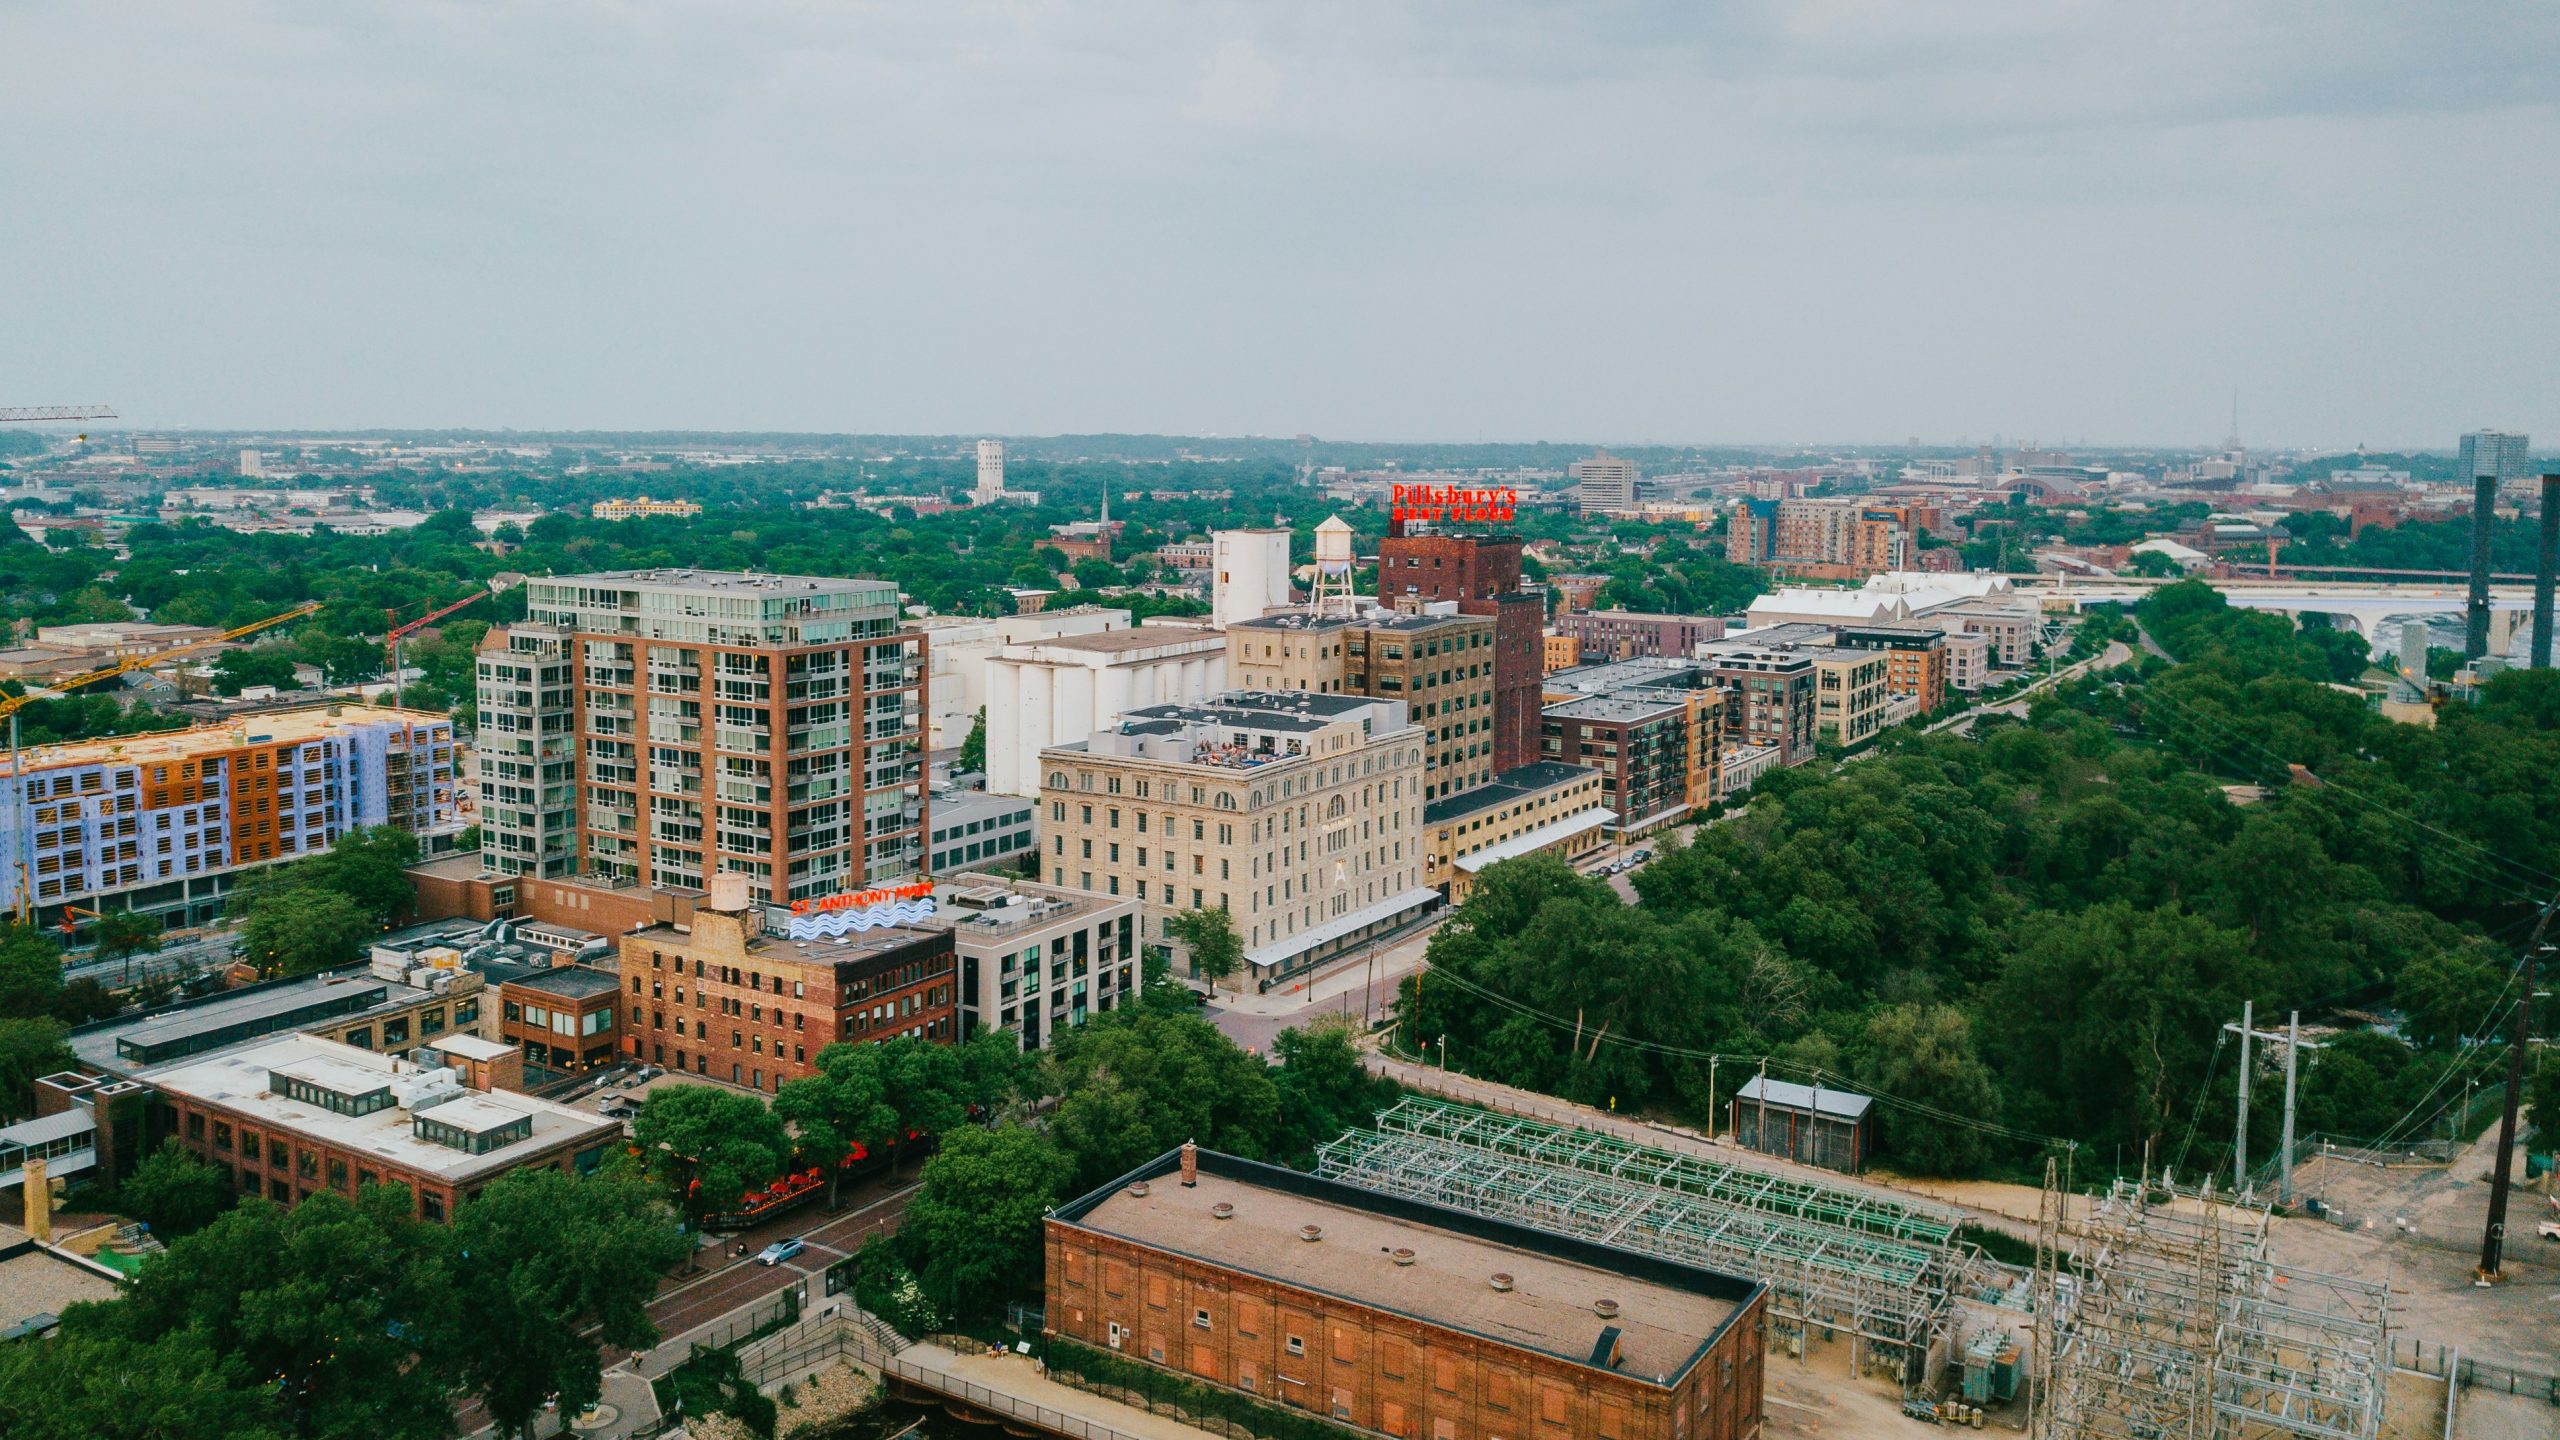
2162	1316
1836	1257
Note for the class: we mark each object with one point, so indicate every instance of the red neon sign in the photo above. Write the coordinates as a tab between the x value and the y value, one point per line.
864	899
1430	504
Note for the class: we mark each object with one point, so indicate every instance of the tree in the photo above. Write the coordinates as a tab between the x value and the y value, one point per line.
30	972
30	1046
371	867
123	934
2445	996
1210	937
973	750
299	931
174	1193
1139	1081
838	1111
468	841
972	1232
1325	1085
89	1383
708	1146
545	1265
1926	1052
342	1306
237	670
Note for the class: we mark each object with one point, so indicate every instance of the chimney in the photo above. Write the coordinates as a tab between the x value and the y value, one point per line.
2484	515
1190	1165
38	1201
2544	566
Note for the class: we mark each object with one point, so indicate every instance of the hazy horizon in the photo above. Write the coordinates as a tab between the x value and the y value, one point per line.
1629	224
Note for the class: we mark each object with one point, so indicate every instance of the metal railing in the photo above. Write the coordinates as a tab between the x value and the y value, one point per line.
2429	1358
996	1402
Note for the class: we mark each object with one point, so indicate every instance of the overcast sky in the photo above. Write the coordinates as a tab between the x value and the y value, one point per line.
1495	219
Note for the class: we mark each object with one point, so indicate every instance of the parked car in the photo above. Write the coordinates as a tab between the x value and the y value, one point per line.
779	1251
2548	1229
1639	857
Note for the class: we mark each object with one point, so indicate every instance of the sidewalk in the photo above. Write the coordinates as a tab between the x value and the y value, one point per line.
1340	978
1013	1385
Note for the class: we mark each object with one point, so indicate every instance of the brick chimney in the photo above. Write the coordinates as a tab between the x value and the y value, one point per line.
38	1198
1190	1164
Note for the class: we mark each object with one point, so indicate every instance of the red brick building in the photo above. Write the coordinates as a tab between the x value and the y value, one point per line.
1481	573
1399	1318
298	1115
722	999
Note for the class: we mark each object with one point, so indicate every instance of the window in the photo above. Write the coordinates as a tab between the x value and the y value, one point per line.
1342	1403
1296	1345
1346	1346
1551	1404
1444	1373
1200	1318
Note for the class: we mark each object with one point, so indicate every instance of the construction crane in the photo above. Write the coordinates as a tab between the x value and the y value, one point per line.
391	643
56	412
10	705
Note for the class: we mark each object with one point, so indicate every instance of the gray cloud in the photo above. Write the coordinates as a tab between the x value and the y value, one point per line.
1751	221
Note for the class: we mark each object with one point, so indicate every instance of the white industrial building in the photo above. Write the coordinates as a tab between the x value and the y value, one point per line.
1249	575
1062	689
961	645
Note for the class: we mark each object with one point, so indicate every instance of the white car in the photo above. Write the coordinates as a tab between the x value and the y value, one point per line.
2548	1229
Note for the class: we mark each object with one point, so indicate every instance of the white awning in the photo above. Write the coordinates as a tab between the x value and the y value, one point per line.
1280	951
1529	842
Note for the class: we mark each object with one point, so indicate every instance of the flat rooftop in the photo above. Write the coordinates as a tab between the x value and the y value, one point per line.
236	1081
37	1284
236	1017
1667	1313
1122	642
573	982
281	727
722	581
1520	783
1619	709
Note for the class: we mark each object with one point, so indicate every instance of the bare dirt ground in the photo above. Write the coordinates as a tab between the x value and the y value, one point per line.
1816	1398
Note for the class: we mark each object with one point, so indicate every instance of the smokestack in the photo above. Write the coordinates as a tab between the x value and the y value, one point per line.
2547	562
2484	513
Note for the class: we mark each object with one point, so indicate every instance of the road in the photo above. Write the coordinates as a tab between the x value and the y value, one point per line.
2116	653
177	960
1359	983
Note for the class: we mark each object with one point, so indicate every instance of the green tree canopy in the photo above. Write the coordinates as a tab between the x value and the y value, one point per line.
709	1146
972	1232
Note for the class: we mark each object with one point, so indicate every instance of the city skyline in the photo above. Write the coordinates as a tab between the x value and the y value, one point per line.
1761	225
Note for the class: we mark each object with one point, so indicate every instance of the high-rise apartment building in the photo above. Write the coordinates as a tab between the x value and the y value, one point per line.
769	726
162	823
1481	573
1605	484
2502	455
1439	662
527	752
1772	698
1818	539
1299	813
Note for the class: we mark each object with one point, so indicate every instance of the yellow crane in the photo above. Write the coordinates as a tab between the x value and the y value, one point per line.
10	705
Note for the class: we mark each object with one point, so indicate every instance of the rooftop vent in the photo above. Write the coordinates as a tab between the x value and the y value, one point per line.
1605	1309
1501	1279
1311	1233
1222	1211
1138	1187
1403	1256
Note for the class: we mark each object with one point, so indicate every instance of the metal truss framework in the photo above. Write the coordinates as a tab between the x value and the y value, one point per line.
1835	1257
2162	1317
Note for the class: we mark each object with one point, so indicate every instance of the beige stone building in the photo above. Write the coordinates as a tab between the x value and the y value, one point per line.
1299	812
1851	689
1545	807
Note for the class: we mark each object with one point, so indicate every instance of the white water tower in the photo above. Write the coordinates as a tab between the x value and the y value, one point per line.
1333	567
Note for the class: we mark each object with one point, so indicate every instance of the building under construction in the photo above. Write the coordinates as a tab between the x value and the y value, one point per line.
1837	1257
2162	1316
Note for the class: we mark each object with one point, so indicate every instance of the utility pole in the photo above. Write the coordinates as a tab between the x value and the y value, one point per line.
2493	1238
1711	1095
2291	1038
2292	1047
2240	1132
